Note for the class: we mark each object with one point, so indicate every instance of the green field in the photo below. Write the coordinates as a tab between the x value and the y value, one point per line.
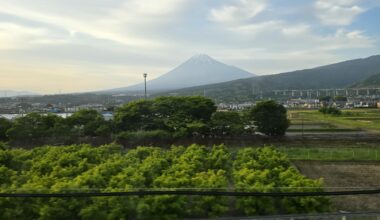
332	153
350	120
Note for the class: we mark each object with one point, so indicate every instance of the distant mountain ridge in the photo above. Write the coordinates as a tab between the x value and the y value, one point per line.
338	75
198	70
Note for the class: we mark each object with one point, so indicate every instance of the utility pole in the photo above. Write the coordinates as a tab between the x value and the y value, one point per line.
145	75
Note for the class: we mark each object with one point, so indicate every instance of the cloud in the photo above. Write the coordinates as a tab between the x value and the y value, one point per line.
14	36
279	34
296	30
337	12
255	29
240	12
120	22
111	43
343	39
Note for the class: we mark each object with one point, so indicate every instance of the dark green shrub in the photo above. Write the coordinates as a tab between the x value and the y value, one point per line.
270	118
330	110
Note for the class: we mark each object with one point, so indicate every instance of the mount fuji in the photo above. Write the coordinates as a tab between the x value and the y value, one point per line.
198	70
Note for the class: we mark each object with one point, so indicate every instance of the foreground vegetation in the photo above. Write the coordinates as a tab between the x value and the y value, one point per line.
82	168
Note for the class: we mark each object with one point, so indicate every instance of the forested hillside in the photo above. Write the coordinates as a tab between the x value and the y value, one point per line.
82	168
339	75
371	82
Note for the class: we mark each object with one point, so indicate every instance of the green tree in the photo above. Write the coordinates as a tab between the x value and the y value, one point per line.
226	124
136	115
270	118
330	110
34	127
5	124
185	115
89	123
340	98
325	99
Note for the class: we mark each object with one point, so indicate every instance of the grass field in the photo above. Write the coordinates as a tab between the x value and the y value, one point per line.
327	151
350	120
332	153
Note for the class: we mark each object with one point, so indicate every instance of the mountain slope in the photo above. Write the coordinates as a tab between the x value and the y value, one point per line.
370	82
339	75
198	70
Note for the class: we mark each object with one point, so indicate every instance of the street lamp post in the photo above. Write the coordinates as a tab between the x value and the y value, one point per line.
145	75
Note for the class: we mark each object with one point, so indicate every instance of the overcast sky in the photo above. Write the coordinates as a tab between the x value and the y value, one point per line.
49	46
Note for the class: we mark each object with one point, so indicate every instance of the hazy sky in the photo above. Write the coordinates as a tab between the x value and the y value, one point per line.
49	46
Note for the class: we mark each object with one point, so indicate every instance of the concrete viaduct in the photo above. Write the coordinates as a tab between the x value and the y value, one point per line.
314	93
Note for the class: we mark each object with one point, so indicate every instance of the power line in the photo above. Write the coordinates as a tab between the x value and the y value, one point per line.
188	193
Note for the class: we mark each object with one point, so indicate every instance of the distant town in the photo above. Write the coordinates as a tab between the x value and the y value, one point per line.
14	107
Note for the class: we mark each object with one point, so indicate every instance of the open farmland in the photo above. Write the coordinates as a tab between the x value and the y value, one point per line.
346	176
353	120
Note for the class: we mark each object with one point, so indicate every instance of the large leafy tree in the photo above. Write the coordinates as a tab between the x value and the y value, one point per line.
176	112
5	124
35	126
226	124
89	123
270	118
136	115
166	113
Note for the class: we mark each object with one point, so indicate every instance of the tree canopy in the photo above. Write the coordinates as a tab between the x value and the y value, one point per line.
5	124
89	123
270	118
165	119
174	114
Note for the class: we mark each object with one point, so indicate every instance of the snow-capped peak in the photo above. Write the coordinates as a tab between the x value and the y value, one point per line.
202	58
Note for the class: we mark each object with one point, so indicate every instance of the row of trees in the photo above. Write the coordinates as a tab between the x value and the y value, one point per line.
35	127
163	117
83	168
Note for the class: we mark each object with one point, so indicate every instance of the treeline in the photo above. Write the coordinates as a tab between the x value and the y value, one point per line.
36	128
82	168
163	118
